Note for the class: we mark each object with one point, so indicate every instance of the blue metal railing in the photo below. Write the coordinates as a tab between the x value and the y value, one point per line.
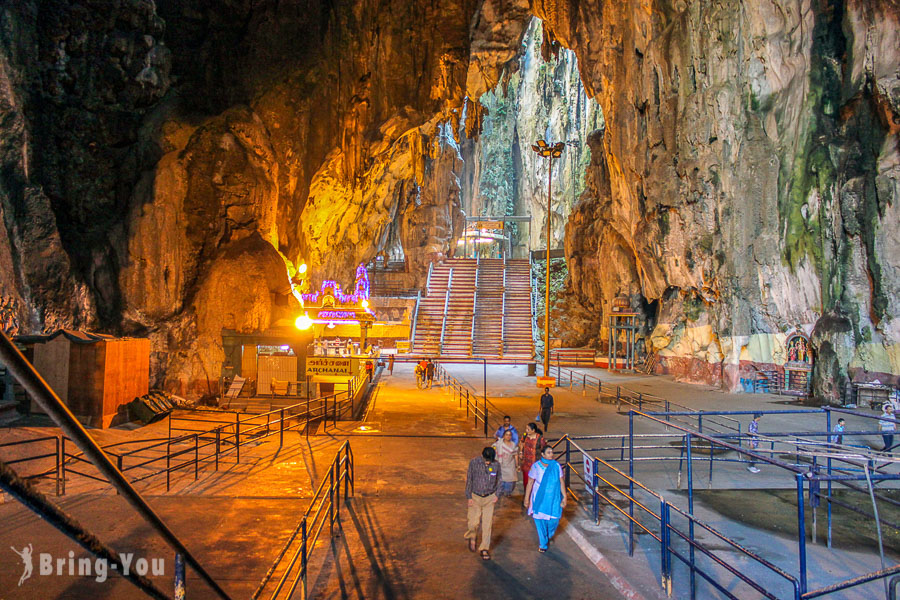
811	461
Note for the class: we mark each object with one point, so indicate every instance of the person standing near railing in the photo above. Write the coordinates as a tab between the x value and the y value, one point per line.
545	496
838	437
391	364
753	432
888	425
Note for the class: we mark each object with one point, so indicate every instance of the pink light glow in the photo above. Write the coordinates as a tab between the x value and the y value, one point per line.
361	292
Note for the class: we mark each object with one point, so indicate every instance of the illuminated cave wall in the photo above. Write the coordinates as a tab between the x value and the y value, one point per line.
162	166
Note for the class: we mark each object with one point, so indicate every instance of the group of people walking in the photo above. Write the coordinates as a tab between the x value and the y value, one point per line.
494	475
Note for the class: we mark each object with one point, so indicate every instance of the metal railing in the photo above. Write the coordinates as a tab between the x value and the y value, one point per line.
485	414
626	399
655	518
188	444
816	463
324	508
50	403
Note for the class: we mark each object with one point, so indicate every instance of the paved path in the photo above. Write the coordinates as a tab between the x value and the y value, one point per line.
403	531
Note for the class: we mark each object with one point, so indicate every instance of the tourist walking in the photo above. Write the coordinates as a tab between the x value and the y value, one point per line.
391	364
429	372
753	432
546	408
530	450
508	457
544	497
838	437
420	373
507	426
482	483
887	424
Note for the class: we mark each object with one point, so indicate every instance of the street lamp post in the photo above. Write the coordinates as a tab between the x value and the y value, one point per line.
548	151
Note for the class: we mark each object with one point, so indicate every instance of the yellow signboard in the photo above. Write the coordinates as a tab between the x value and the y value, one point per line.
329	365
489	224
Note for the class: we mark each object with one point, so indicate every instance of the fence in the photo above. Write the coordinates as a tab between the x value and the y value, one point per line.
485	414
188	444
324	508
703	551
626	399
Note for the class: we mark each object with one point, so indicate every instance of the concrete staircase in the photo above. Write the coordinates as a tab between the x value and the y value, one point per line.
432	305
476	309
518	337
488	330
457	338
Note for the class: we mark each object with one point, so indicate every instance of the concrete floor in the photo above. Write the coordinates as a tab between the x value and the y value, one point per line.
402	533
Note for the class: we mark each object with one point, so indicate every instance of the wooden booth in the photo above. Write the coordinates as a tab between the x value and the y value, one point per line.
93	374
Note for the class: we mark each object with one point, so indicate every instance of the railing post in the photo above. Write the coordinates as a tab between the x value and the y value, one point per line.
664	546
303	557
281	431
595	484
59	465
690	478
237	437
337	491
630	481
584	384
700	422
196	456
346	474
331	499
119	461
467	403
640	401
485	417
218	445
801	532
168	464
568	463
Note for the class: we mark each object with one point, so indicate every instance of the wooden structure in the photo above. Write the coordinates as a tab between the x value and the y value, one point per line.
798	368
94	374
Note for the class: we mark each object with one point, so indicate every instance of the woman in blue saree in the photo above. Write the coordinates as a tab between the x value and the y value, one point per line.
544	497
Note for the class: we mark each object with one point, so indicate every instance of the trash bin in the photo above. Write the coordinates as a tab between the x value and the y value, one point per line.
532	369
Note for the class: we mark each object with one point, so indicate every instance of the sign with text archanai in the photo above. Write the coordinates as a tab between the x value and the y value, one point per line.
328	365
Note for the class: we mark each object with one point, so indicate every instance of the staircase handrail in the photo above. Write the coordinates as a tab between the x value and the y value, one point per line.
415	318
534	327
428	280
446	302
503	312
474	307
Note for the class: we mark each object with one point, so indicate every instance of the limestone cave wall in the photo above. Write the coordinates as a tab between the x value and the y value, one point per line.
164	166
746	183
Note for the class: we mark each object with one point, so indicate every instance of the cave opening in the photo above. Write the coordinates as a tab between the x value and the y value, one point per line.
504	184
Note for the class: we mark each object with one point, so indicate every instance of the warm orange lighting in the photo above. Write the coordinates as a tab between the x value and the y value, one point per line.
301	269
365	304
303	322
